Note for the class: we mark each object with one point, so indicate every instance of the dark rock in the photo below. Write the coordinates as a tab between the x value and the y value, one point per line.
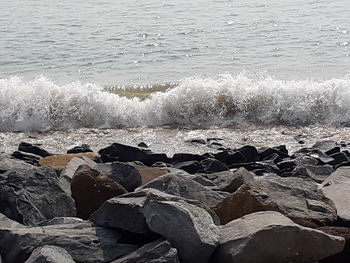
305	160
125	153
161	165
333	150
275	158
124	174
267	167
34	149
338	158
190	229
342	257
314	153
159	251
186	157
286	165
90	189
84	148
190	167
250	153
201	179
84	241
7	163
180	185
27	157
50	254
281	151
266	237
212	165
318	173
337	188
325	146
299	199
33	195
230	157
342	164
142	145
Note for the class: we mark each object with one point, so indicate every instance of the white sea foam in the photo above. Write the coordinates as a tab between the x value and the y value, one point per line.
224	100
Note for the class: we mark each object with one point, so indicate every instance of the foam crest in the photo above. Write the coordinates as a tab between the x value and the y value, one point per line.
223	100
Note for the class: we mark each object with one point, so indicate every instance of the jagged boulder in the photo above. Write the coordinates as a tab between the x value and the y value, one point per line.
32	148
299	199
266	237
7	163
33	195
50	254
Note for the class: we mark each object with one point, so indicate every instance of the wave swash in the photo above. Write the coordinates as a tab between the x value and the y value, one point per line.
225	100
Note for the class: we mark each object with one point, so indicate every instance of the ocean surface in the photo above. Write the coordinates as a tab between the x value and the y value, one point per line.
169	68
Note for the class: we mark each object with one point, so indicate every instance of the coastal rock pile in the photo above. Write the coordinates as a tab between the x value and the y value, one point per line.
127	204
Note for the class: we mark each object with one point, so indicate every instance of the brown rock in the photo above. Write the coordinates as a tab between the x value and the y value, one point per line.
298	199
61	161
150	173
90	190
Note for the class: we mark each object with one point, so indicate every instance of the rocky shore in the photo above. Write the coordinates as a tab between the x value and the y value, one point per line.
127	204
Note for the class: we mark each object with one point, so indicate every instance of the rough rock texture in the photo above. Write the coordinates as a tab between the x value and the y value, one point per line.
180	185
159	251
189	229
33	195
126	211
90	189
344	256
124	174
7	163
337	188
34	149
84	148
60	221
50	254
83	241
211	165
266	237
298	199
150	173
318	173
61	161
27	157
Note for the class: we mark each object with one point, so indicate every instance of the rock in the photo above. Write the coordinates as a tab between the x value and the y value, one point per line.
34	149
27	157
339	158
186	157
229	157
150	173
281	151
300	200
33	195
337	188
333	150
124	174
84	241
61	161
117	212
266	237
286	165
325	146
125	153
305	160
318	173
250	153
84	148
230	181
60	221
190	167
90	189
314	153
211	165
142	145
50	254
159	251
342	257
8	163
189	229
180	185
201	179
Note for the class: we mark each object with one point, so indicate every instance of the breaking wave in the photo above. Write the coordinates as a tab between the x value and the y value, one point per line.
224	100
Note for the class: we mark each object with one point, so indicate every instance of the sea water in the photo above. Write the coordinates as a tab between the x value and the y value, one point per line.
223	65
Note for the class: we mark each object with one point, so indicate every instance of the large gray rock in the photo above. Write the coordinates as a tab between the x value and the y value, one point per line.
318	173
180	185
189	229
7	163
50	254
266	237
126	211
299	199
84	241
33	195
337	188
124	174
61	221
159	251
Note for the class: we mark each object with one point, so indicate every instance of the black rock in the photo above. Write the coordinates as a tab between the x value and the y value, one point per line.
339	158
142	145
314	153
84	148
33	195
27	157
186	157
34	149
281	151
286	165
212	165
125	153
250	153
229	157
333	150
190	167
